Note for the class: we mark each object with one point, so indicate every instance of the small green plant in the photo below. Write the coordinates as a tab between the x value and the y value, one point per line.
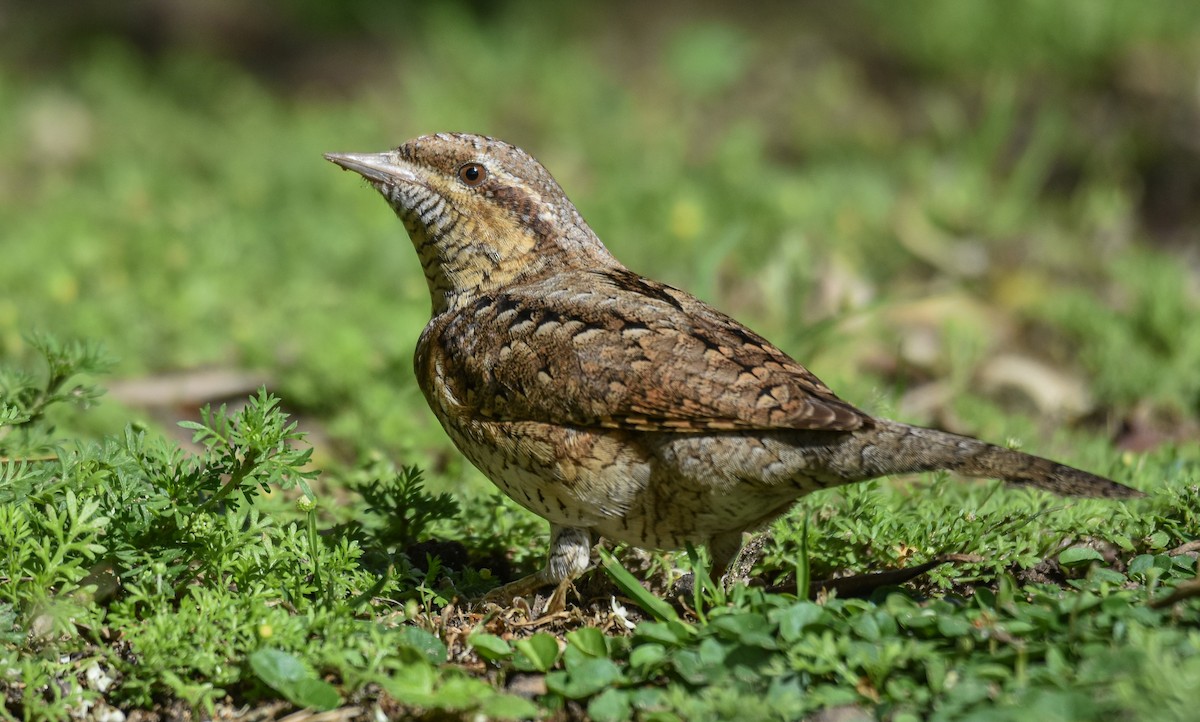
403	510
25	398
216	584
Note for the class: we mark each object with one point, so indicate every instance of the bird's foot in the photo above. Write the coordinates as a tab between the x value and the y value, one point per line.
526	587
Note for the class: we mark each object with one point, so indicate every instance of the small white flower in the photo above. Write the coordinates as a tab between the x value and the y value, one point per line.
621	613
97	678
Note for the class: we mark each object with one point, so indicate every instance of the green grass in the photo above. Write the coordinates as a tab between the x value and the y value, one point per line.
895	196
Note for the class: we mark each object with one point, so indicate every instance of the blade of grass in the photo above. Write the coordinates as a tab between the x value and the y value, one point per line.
803	573
705	592
629	585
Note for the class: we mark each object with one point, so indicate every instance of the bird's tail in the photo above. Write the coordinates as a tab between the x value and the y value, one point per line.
901	448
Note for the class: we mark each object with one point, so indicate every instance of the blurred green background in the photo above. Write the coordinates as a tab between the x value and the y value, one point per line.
979	215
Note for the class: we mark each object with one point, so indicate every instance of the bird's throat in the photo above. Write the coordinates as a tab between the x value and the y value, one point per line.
465	261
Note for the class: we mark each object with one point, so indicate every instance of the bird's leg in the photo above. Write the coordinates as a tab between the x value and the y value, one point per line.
569	556
738	571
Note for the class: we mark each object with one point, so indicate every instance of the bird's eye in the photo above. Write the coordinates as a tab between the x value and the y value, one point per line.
472	173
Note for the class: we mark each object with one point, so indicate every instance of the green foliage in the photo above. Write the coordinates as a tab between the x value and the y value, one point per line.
213	582
401	506
290	677
770	657
24	398
1147	347
537	653
1070	39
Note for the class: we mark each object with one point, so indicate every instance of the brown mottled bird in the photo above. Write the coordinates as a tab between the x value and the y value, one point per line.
611	404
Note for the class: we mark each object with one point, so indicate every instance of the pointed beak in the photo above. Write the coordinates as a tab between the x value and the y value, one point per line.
375	167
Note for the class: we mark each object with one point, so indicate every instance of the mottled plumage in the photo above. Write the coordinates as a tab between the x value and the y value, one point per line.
611	404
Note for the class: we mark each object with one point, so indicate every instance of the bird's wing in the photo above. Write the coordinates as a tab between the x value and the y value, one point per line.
612	349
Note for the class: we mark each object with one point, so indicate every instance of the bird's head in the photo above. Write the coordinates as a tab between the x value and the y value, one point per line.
481	213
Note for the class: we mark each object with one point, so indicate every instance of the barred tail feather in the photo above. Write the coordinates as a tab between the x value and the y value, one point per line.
915	449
